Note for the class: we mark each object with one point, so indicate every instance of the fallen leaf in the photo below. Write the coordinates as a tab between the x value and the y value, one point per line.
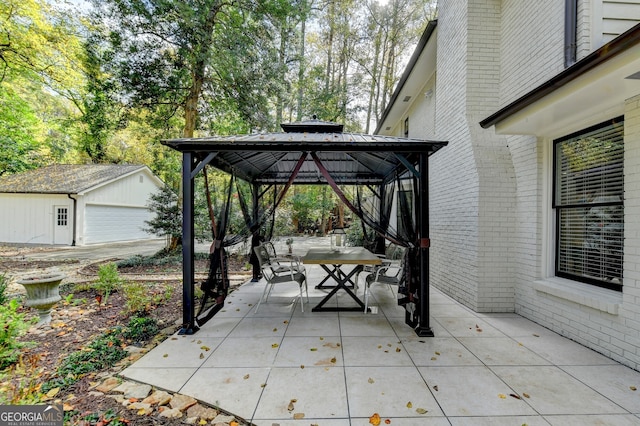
502	396
199	342
371	380
275	345
201	355
68	407
421	411
141	412
205	348
165	355
291	407
232	423
302	366
435	388
132	400
536	335
375	419
203	422
53	392
513	395
526	395
285	322
633	388
298	416
246	376
437	353
409	404
275	329
333	360
433	358
313	349
387	421
398	350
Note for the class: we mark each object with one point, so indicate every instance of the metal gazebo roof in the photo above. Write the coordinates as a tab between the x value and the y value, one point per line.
267	158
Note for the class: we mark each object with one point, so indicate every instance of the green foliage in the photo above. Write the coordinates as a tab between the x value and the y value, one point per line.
4	283
101	353
108	280
141	329
311	205
355	235
20	383
140	299
12	325
167	221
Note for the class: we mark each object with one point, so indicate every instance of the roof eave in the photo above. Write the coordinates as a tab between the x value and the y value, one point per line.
598	57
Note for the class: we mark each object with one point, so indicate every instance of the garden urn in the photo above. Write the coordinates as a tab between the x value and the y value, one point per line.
43	292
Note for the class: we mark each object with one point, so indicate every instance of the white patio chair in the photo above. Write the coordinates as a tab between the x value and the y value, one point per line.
274	273
391	273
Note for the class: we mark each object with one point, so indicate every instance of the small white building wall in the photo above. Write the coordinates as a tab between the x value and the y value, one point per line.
30	218
129	192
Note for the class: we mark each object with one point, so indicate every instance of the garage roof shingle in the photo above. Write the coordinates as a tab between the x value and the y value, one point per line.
64	178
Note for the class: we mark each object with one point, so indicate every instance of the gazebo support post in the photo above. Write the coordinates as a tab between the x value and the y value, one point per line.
423	329
255	237
188	248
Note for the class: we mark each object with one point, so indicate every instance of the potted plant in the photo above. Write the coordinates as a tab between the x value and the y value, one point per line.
289	242
43	292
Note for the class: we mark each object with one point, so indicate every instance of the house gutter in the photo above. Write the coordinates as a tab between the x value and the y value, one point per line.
570	32
426	35
619	45
75	209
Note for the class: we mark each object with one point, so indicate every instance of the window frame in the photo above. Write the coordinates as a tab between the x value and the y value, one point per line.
558	209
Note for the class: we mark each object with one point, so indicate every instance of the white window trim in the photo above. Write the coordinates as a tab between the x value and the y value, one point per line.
584	294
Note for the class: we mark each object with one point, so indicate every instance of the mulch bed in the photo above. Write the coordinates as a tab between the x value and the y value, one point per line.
81	316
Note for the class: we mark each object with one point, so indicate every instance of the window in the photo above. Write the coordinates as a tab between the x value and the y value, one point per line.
588	201
62	216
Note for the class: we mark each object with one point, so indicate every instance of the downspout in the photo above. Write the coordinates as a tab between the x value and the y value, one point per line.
570	32
75	217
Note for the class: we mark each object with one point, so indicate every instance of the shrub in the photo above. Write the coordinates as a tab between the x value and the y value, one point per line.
140	329
139	299
12	325
4	283
108	280
101	353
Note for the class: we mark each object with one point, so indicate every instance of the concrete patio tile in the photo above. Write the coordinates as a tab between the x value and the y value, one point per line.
615	382
473	391
438	352
552	391
499	421
391	392
220	327
237	390
252	326
561	351
180	351
169	379
449	310
365	325
403	330
316	421
515	326
501	351
309	352
468	327
374	351
313	326
594	420
404	421
319	393
245	352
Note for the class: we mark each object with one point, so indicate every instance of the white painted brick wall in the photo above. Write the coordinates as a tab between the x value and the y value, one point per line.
490	206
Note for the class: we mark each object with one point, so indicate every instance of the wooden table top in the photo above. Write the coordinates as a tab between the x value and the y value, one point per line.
340	256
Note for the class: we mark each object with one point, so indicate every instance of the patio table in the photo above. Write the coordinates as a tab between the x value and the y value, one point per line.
332	261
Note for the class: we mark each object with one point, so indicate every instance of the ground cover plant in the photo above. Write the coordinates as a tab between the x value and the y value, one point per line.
94	323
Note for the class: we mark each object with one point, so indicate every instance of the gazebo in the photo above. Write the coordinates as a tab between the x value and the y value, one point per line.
315	152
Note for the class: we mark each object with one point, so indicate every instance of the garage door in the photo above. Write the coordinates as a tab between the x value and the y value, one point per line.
104	224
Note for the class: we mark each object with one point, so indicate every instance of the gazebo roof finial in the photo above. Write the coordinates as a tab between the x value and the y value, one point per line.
313	126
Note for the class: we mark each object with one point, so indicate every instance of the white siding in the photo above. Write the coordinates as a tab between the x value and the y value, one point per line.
29	218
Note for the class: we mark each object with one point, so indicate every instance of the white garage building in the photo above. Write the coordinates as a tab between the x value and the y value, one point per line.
76	204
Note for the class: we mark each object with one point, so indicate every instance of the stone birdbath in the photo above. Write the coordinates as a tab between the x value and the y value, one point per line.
43	292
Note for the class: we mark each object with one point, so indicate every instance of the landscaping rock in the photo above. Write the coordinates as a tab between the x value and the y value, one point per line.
158	397
133	390
141	406
182	402
222	419
202	412
171	413
108	385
